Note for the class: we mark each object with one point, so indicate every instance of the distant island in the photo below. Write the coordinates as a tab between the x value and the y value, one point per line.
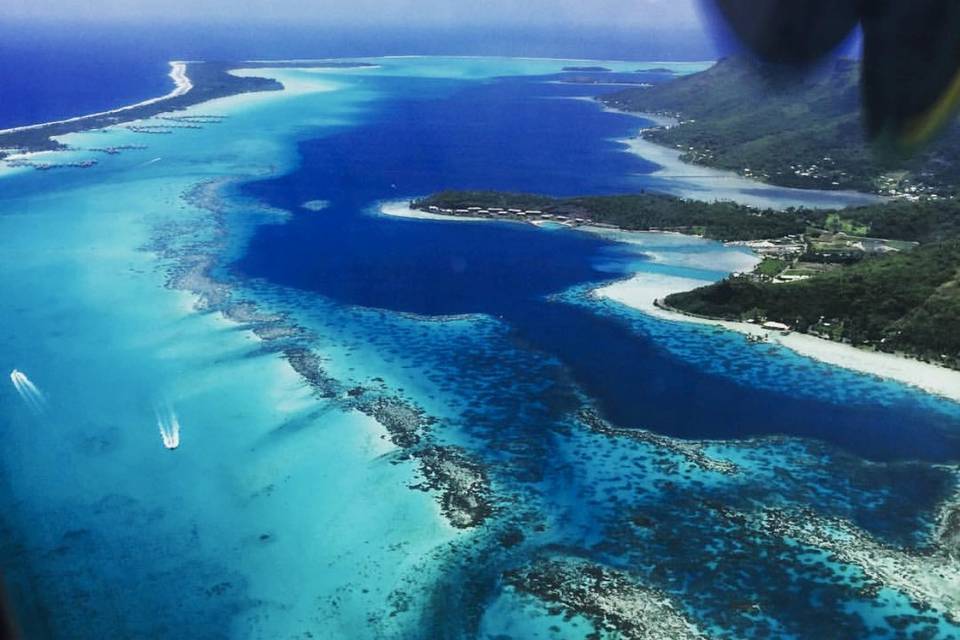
656	70
805	133
587	69
197	82
607	80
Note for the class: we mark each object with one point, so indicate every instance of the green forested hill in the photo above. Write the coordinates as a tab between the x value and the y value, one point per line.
801	132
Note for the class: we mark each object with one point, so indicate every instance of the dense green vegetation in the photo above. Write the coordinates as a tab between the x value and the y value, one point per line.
907	301
806	133
502	199
926	221
801	132
719	220
770	267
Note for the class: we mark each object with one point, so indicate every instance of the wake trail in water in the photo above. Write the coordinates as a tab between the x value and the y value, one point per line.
28	391
169	427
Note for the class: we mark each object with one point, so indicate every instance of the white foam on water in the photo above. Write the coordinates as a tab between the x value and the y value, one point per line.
169	427
28	391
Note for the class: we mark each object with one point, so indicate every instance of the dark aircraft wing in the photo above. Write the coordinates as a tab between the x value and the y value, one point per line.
911	54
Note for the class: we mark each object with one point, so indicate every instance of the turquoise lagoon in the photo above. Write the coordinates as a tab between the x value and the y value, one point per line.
286	512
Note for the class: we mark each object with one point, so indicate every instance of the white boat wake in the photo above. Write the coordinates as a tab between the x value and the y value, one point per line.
28	391
169	428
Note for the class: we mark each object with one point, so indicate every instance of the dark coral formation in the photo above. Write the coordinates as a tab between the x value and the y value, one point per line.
612	600
691	451
462	484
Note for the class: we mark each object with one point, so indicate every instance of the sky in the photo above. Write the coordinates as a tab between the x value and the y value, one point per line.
227	29
648	14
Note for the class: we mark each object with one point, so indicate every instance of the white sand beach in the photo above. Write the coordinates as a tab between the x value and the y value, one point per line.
401	209
643	289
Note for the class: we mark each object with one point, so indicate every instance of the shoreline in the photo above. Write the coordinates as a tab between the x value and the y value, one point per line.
195	82
205	81
402	209
702	181
643	291
182	86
